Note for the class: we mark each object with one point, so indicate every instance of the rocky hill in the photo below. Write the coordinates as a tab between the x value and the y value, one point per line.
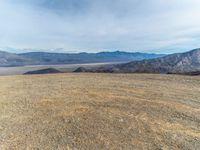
180	63
43	71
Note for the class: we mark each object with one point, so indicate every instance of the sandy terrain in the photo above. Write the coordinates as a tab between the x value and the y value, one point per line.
99	111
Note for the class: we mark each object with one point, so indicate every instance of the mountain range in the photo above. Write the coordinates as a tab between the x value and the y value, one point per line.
179	63
44	58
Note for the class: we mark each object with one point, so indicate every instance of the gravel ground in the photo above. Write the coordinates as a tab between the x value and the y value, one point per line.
99	111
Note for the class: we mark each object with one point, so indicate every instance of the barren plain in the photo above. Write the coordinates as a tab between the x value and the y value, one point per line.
99	111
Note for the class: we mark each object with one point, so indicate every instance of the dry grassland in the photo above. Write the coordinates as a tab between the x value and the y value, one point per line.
99	111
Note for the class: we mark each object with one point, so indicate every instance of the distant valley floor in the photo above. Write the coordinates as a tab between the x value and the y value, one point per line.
64	68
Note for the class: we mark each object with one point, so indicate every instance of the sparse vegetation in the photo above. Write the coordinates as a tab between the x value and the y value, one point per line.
100	111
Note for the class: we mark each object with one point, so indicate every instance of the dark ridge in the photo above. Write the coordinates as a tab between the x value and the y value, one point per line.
43	71
195	73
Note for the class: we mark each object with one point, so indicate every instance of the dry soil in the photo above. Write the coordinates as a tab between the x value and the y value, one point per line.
99	111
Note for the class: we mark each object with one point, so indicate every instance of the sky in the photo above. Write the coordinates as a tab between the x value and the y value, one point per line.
158	26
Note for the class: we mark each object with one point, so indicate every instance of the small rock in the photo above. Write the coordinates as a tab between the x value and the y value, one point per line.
121	120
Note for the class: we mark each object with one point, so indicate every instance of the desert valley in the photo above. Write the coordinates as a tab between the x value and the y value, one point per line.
99	75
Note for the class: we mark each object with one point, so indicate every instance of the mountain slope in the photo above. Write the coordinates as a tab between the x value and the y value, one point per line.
10	59
180	63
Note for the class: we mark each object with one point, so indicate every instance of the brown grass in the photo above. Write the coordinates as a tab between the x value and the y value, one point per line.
99	111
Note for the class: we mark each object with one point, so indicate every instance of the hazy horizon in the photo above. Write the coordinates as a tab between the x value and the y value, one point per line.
72	26
60	50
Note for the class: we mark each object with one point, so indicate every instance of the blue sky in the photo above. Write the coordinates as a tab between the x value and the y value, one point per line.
161	26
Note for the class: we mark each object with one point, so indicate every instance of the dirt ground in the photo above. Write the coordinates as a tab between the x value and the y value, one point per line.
99	111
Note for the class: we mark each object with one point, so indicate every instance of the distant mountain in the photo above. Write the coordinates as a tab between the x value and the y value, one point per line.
180	63
63	58
44	71
43	58
10	59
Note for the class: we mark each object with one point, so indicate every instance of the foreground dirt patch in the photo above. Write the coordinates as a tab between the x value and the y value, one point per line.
100	111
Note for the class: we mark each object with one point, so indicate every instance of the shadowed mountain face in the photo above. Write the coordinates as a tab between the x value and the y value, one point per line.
42	58
81	69
181	63
9	59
